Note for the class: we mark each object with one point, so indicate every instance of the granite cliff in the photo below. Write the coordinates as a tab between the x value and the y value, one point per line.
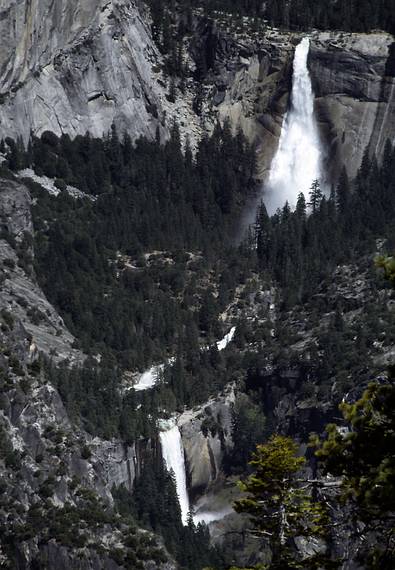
78	67
353	80
72	69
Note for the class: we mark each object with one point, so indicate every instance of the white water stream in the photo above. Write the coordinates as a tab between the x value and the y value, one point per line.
297	162
171	441
222	344
149	378
170	436
173	455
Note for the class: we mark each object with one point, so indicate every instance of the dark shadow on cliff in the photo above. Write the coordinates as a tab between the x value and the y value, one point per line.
387	91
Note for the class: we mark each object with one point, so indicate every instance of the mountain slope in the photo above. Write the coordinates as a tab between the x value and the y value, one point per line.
57	510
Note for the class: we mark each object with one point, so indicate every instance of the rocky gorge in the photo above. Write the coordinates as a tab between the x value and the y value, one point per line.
78	68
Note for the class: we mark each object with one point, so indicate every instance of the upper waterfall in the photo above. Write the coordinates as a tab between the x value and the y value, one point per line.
298	159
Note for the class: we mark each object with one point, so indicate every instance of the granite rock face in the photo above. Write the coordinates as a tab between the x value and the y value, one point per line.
354	82
77	66
15	215
39	327
250	82
207	435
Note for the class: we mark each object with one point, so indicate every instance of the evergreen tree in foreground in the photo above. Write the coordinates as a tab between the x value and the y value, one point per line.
281	504
284	504
364	458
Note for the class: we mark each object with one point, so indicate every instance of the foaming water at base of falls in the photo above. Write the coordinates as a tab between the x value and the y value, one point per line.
297	162
208	517
173	456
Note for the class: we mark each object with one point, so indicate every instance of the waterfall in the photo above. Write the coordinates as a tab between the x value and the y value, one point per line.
173	455
298	159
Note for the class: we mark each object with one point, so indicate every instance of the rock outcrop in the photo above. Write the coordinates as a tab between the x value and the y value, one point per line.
78	67
354	82
248	80
39	328
207	435
120	464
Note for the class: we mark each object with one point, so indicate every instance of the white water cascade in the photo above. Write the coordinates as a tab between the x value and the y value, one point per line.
173	455
298	159
150	377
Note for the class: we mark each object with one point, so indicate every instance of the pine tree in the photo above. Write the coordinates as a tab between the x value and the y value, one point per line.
301	207
279	504
343	194
363	457
315	195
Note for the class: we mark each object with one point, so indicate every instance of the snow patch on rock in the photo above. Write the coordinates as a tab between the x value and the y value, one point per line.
49	185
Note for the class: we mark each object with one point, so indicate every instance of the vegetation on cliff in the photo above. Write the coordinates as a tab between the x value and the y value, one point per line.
282	506
135	293
171	24
351	496
302	250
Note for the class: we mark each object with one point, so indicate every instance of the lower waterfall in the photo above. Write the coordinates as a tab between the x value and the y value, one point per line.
297	162
173	455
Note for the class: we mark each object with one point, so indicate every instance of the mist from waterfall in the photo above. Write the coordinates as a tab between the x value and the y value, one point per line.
297	161
173	455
